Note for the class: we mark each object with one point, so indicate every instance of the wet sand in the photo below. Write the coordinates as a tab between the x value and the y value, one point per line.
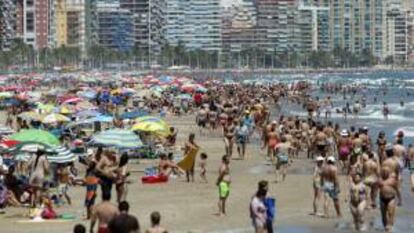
191	207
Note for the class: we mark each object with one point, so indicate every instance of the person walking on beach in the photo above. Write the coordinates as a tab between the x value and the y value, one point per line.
242	134
190	145
229	133
330	185
258	211
106	170
121	178
388	194
223	183
282	158
358	200
371	174
38	167
317	189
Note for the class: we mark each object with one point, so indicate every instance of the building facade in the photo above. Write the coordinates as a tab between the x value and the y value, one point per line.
357	25
195	23
115	29
396	32
313	23
35	23
276	21
149	19
7	23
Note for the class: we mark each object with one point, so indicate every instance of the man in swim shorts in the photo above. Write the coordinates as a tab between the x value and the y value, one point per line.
223	183
330	185
104	213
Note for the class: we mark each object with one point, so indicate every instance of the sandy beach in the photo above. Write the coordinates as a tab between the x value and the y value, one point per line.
191	207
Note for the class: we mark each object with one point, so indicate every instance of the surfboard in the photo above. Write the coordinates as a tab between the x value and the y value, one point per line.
189	160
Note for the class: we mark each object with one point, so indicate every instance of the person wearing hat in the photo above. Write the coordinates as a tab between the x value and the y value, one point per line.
317	189
344	148
330	185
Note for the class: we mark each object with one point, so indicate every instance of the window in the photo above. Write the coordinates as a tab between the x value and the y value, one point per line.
29	22
29	3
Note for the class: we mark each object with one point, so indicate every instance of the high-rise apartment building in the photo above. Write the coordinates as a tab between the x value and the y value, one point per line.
35	22
196	23
7	23
396	31
149	19
114	25
277	24
357	25
313	24
70	24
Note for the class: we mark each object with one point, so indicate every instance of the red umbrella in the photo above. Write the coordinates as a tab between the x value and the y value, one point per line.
8	143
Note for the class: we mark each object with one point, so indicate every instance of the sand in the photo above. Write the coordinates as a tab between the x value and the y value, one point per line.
191	207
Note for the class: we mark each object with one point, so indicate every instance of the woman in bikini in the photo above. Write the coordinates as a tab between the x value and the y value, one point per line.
229	132
358	200
273	139
344	148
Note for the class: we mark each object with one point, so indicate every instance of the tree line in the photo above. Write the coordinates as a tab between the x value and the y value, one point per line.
23	55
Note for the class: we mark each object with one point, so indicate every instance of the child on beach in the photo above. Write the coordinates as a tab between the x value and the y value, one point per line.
203	165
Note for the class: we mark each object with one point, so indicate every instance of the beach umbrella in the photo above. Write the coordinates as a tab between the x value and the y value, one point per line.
134	114
119	138
5	130
87	94
101	118
184	97
54	118
31	116
55	154
35	136
46	107
84	105
151	125
72	100
6	94
88	113
7	143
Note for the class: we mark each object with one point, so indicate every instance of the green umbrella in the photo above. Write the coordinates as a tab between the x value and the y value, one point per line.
36	136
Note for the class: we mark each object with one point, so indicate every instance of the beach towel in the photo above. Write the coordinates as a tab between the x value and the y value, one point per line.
189	160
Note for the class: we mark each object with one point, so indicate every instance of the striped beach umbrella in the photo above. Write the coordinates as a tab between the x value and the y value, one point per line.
119	138
59	154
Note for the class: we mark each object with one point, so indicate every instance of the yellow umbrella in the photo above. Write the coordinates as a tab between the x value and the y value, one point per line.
152	127
66	110
46	107
31	116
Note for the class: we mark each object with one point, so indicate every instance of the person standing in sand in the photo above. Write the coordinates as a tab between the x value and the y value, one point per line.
282	154
388	194
370	171
317	189
330	185
223	183
104	212
38	167
358	200
228	133
188	147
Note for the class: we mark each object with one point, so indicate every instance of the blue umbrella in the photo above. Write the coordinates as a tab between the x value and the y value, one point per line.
133	115
119	138
88	94
102	118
